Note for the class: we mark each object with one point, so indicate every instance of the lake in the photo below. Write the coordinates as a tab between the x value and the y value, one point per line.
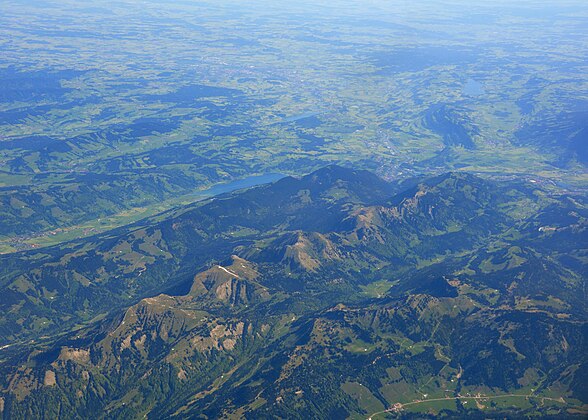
240	184
473	88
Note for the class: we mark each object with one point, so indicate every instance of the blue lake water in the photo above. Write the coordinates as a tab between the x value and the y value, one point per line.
239	184
473	88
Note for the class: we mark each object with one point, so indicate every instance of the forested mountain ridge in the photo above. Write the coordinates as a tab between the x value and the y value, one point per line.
333	295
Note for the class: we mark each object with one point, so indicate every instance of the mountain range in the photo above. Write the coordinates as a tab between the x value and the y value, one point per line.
334	295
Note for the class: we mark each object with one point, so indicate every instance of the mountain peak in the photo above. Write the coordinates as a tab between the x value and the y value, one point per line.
337	182
333	173
233	284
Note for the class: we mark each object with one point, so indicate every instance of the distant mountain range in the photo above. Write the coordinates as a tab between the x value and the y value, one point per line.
334	295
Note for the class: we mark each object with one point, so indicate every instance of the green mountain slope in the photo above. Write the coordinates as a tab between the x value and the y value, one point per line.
330	296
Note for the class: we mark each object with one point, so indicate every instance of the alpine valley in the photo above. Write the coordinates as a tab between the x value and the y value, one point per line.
333	295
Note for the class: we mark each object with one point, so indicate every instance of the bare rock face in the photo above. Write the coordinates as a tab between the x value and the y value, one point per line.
233	291
310	251
50	378
78	355
221	337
